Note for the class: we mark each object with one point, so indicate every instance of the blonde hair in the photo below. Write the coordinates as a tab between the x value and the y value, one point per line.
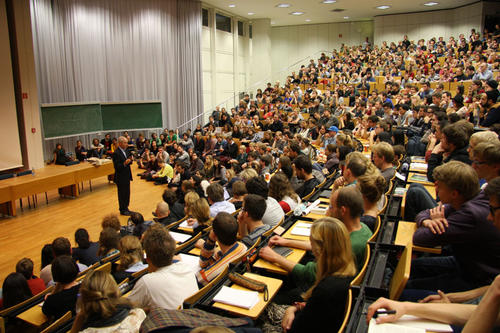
99	295
385	150
334	255
200	210
130	252
230	174
247	174
189	199
344	140
371	187
459	177
484	136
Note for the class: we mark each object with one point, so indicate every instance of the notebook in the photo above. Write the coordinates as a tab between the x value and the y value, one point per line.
178	237
416	165
410	324
419	178
192	261
187	226
301	229
241	298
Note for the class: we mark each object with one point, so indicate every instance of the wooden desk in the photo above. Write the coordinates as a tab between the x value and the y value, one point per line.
423	182
273	285
64	178
34	316
288	233
430	188
296	256
404	235
318	216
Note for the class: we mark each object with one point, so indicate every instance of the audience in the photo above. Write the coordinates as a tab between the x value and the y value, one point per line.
131	256
250	218
86	252
303	170
25	267
15	289
273	211
108	243
215	194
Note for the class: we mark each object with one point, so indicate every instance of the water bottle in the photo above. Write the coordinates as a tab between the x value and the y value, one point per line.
33	171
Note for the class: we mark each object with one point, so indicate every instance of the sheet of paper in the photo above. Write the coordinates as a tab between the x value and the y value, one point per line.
422	178
416	165
192	261
428	325
241	298
187	226
178	237
400	176
373	327
301	229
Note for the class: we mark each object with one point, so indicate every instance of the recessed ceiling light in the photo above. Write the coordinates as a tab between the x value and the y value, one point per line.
308	20
232	5
251	13
272	22
346	17
431	3
297	13
283	5
329	1
383	7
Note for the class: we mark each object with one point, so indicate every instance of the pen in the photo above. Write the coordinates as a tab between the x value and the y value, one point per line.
379	312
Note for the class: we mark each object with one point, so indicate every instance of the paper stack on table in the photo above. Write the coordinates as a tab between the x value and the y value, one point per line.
241	298
179	237
416	165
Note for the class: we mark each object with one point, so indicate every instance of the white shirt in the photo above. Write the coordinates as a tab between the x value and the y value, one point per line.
166	288
274	213
221	206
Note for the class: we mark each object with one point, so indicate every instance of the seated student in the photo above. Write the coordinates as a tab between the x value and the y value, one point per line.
111	221
108	243
332	160
136	225
462	224
25	267
239	191
485	158
274	213
168	284
86	252
163	176
65	294
96	149
324	304
372	187
357	165
163	214
383	158
281	190
215	195
303	170
175	207
250	217
131	256
224	232
80	151
60	246
200	215
346	204
15	289
102	309
60	155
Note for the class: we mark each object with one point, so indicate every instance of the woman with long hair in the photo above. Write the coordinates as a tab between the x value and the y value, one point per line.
324	302
131	256
15	289
281	190
102	309
209	167
108	242
200	215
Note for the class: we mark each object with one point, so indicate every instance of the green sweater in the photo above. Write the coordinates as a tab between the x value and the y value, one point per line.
304	276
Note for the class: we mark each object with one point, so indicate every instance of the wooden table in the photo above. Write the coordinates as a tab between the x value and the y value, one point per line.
273	285
296	256
419	175
404	235
34	316
64	178
430	188
288	233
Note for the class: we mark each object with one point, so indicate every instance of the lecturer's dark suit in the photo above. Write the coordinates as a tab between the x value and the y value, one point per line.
123	176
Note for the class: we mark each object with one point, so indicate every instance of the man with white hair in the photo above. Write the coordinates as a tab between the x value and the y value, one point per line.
123	175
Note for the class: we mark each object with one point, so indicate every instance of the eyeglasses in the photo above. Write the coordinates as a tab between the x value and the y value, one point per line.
493	209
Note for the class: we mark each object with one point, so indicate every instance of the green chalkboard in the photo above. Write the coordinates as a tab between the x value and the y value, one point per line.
71	119
131	116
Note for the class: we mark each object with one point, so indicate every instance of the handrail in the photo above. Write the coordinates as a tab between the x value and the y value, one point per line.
252	88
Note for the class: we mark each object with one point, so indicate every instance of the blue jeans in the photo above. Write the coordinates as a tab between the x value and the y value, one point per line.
433	273
417	200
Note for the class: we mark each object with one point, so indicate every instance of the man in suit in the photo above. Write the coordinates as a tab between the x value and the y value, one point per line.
123	174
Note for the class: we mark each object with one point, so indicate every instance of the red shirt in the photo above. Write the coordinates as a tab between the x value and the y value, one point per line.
36	285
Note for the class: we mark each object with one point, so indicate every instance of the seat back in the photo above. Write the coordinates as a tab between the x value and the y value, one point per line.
203	291
377	229
94	266
140	273
58	323
270	231
401	273
2	325
244	256
105	268
110	258
358	278
307	197
348	306
176	223
35	299
187	243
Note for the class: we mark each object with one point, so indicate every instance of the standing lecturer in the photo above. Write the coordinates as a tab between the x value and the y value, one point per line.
123	174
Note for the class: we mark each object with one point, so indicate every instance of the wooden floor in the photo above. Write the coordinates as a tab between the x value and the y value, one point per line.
26	234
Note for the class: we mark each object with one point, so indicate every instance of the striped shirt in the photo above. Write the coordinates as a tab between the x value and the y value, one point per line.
212	264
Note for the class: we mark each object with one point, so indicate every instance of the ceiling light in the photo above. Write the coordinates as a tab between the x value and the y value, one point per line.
232	5
329	1
297	13
251	13
346	17
383	7
431	3
308	20
272	22
283	5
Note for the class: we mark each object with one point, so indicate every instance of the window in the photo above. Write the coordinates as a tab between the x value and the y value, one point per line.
250	31
222	22
241	32
204	17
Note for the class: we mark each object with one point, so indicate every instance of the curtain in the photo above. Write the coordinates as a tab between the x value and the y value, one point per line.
120	50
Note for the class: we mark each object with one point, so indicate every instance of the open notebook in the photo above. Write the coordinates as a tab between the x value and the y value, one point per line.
179	237
241	298
409	324
301	229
